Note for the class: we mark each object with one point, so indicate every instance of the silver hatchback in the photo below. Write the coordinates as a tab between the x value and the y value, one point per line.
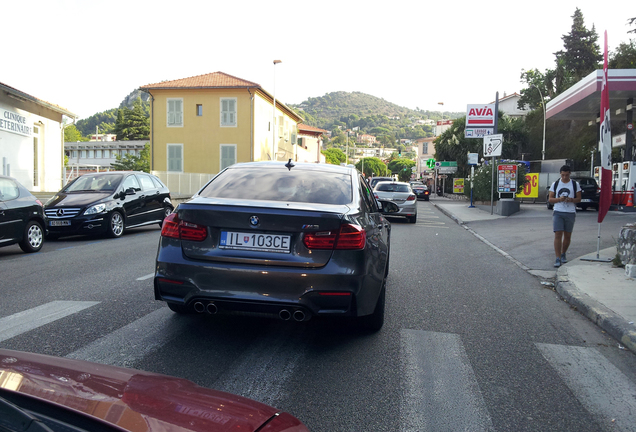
290	240
401	194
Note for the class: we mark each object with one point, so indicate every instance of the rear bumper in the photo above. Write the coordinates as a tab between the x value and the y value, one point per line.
336	290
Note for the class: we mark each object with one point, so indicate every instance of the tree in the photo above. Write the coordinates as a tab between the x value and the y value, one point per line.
134	163
624	57
334	156
581	54
132	124
72	134
372	167
401	167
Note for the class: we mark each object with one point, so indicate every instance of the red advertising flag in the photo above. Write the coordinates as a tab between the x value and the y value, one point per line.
605	144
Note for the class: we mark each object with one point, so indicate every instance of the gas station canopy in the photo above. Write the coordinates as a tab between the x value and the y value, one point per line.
582	101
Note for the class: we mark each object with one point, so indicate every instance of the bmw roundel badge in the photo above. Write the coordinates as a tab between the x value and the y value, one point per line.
254	220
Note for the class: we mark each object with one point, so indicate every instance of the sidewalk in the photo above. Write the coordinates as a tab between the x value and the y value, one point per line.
601	292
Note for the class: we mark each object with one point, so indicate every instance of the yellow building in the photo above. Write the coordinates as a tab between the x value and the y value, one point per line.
203	124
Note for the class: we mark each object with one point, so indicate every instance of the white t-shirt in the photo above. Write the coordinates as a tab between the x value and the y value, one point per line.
565	189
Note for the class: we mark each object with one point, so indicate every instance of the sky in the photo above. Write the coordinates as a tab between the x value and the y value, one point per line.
88	55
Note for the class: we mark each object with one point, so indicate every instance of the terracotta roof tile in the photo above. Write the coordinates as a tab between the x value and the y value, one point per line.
211	80
304	127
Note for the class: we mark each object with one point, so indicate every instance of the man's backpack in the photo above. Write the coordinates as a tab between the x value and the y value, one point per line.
556	186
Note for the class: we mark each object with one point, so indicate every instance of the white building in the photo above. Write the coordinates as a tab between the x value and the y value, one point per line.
99	155
31	137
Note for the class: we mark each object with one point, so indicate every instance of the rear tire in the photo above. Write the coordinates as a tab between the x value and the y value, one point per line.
375	321
33	238
166	212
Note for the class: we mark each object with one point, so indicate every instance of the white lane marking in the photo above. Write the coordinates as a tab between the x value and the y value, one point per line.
132	342
21	322
599	385
148	276
441	391
262	372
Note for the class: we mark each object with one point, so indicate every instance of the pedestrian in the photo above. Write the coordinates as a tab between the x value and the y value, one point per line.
564	194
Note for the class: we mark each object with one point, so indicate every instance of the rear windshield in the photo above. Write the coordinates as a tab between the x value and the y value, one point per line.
281	185
95	183
389	187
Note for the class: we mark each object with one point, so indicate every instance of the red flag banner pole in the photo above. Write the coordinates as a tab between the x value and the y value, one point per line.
605	146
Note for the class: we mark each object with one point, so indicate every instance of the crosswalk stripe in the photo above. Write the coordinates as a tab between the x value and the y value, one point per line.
132	342
442	392
599	385
22	322
265	368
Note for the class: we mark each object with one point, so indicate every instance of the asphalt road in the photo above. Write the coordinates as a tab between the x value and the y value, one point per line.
529	238
471	341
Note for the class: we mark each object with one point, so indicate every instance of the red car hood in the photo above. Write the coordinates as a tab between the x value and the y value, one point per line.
135	400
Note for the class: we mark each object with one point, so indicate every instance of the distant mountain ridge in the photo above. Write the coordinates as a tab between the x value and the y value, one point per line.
333	110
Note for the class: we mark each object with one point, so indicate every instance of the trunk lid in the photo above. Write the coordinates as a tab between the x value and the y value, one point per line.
269	232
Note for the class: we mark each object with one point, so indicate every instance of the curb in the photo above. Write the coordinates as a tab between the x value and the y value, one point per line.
449	214
599	314
612	323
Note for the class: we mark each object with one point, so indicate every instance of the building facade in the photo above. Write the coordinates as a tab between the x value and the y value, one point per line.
309	147
203	124
31	137
99	155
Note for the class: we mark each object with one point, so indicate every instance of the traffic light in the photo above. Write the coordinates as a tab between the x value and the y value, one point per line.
399	151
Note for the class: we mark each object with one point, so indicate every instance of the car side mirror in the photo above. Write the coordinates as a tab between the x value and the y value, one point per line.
130	191
388	207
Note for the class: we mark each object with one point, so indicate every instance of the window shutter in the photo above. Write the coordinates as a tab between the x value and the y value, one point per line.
170	112
179	112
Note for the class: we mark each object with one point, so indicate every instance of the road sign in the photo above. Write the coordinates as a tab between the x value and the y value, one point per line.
480	116
445	164
477	132
447	170
493	145
473	158
430	163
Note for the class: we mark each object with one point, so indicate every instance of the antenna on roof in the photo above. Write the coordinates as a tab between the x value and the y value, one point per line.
290	164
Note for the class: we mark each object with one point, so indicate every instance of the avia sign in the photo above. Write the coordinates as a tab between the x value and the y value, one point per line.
480	116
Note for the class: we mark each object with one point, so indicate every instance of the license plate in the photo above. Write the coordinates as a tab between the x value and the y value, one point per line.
586	200
255	242
60	223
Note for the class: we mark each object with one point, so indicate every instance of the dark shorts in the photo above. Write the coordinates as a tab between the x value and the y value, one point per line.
563	221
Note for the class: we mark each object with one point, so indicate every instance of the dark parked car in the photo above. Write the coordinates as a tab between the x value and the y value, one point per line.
590	193
42	393
108	202
293	241
374	180
420	190
22	219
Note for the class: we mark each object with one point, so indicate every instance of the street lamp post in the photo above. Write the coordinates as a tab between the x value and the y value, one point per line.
274	115
542	103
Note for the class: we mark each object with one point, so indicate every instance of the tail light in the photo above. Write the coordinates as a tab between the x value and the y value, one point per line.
425	192
376	196
411	198
349	237
173	227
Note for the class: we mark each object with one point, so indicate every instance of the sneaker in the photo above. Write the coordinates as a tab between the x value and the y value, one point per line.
563	258
557	263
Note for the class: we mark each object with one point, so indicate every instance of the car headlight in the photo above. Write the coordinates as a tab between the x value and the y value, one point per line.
95	209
